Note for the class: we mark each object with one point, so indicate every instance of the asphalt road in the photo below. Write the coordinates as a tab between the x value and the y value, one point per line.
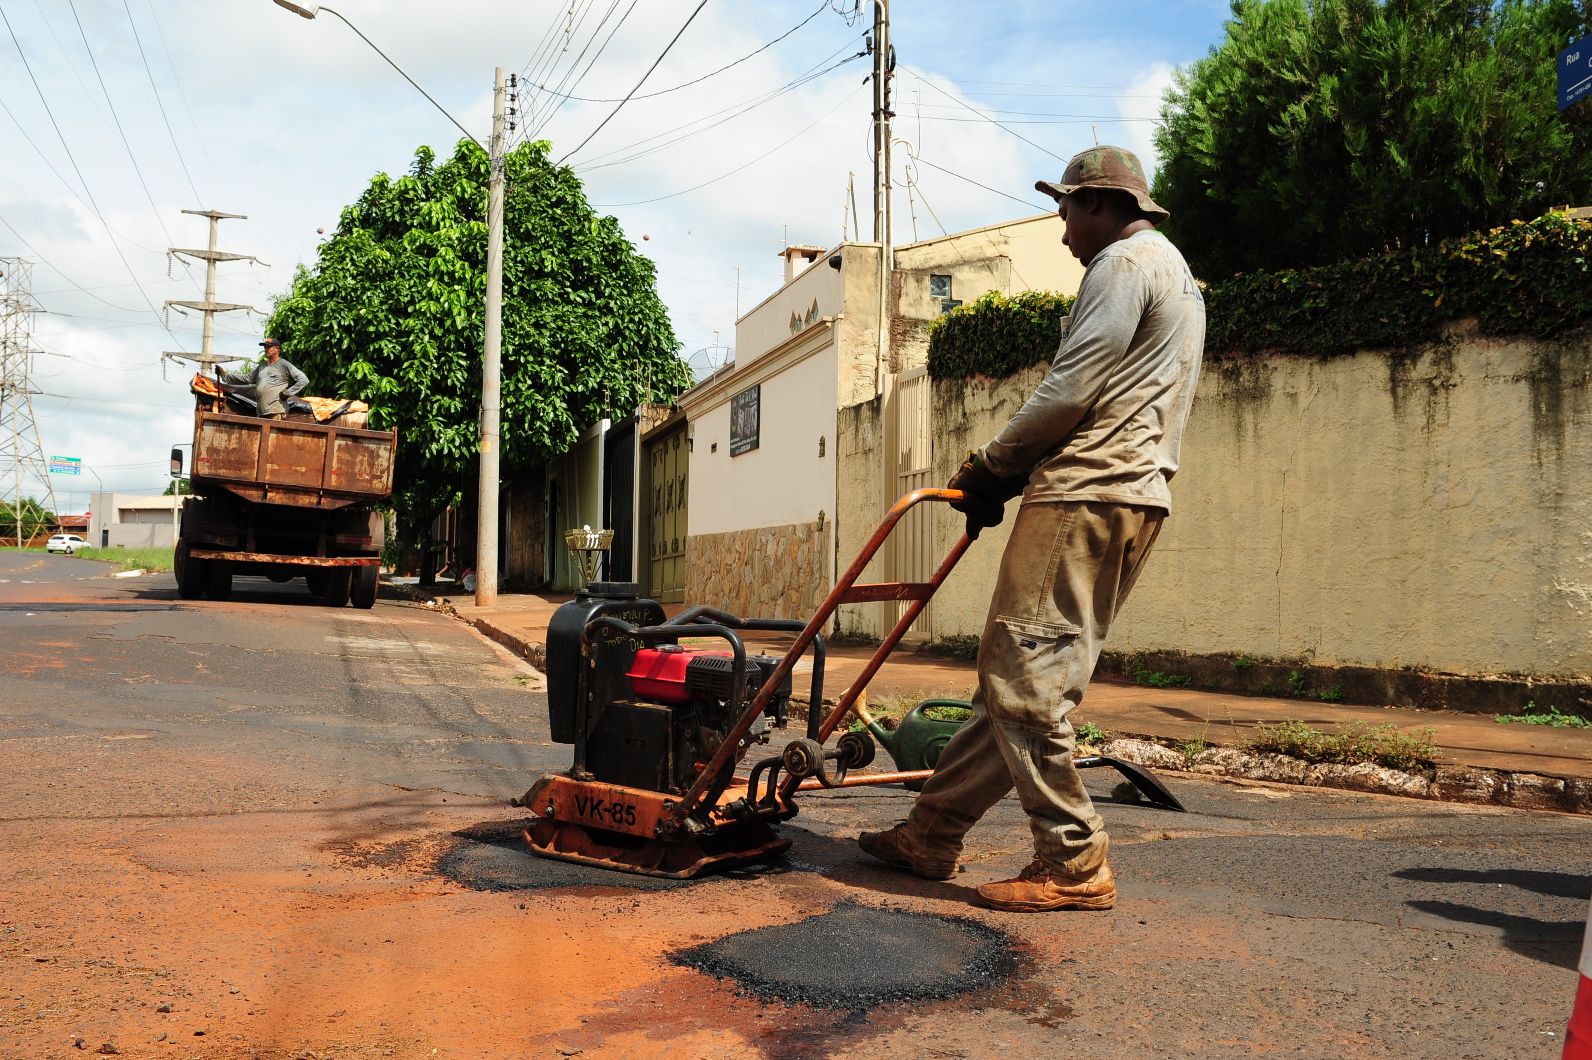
267	828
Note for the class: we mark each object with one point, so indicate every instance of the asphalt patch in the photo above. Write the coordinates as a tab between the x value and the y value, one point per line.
854	958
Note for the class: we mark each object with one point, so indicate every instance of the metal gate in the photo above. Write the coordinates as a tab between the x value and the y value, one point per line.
667	462
912	544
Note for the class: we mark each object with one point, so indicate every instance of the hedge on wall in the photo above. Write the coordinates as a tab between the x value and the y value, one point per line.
1525	278
996	335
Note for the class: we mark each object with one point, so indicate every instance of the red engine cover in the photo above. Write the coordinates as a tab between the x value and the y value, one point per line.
658	674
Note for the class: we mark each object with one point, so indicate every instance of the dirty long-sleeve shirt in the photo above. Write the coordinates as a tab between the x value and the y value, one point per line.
1106	423
269	376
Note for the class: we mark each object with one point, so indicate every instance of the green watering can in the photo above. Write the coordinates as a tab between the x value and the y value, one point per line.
921	735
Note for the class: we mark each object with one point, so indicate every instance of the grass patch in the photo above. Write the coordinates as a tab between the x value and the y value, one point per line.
130	558
1157	679
1550	716
962	646
1353	742
13	548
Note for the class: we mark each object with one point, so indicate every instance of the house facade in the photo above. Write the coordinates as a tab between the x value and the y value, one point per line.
781	494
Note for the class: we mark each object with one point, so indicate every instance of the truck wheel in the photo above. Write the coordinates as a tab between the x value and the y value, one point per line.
364	590
218	580
337	587
190	572
316	580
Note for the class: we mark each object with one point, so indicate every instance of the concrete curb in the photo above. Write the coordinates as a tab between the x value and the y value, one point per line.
529	650
1467	784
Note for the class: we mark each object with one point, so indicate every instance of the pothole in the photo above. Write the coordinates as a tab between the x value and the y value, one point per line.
854	958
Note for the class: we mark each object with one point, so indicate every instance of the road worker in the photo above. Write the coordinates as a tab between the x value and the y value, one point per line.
1092	453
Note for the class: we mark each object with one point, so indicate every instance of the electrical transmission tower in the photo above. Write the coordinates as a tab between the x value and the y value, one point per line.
209	307
21	456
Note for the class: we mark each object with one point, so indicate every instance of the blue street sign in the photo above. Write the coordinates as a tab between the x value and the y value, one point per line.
1575	72
66	465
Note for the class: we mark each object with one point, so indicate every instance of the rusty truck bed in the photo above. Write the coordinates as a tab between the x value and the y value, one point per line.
291	462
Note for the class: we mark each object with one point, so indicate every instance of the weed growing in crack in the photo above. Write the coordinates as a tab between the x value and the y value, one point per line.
1550	716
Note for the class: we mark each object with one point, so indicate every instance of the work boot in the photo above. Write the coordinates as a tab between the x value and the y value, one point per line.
901	849
1039	889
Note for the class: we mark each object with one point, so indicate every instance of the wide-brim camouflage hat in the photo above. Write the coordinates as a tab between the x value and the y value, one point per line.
1115	168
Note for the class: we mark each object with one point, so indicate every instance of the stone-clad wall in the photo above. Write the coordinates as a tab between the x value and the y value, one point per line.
767	572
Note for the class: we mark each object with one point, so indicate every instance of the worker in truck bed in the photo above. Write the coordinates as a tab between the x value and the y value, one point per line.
1092	452
271	385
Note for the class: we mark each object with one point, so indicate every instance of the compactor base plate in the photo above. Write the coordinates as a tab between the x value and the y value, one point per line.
739	844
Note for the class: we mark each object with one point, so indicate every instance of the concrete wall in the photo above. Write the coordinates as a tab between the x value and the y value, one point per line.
1427	511
140	535
133	520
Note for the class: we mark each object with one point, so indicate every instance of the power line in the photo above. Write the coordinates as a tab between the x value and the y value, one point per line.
153	88
78	169
729	113
554	106
704	77
992	121
737	169
1042	121
643	80
547	52
58	176
970	180
116	119
182	95
57	270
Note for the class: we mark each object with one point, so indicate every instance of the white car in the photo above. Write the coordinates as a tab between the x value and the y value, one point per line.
68	543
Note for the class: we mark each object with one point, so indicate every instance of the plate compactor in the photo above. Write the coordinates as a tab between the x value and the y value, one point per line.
661	712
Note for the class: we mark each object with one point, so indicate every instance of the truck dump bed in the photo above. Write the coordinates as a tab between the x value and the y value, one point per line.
291	462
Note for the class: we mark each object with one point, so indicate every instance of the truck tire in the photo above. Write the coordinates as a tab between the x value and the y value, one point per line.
190	572
338	584
218	580
316	580
364	588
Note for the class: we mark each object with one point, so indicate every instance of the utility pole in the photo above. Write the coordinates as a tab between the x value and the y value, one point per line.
884	381
20	451
209	307
486	519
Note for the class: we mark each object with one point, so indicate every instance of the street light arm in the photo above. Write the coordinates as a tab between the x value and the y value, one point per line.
412	81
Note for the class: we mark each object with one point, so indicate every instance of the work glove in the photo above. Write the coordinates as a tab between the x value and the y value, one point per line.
985	493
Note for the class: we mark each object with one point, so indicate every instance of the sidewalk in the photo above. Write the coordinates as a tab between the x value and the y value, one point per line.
519	621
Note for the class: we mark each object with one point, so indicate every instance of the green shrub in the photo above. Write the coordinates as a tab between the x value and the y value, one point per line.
1525	278
1090	733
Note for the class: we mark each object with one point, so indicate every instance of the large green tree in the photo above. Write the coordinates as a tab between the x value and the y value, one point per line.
393	313
1323	129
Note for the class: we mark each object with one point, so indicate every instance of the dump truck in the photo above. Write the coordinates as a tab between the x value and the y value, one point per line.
283	498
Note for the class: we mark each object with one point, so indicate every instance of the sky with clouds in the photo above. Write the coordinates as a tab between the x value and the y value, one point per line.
126	112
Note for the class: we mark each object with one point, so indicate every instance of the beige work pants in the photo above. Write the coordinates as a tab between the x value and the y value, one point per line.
1066	571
